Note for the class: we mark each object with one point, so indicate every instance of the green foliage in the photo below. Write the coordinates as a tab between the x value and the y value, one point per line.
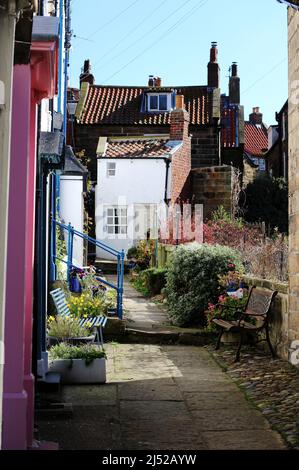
222	216
132	252
66	327
151	281
89	352
60	253
142	253
192	279
266	200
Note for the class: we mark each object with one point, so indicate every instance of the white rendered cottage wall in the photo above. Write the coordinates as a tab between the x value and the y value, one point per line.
72	210
136	181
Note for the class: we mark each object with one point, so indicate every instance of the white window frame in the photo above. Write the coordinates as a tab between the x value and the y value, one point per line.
117	220
154	110
110	169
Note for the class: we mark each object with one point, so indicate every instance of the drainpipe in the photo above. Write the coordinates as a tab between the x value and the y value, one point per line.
167	163
53	181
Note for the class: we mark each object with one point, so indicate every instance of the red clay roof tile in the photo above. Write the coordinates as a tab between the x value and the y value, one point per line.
256	139
122	106
133	148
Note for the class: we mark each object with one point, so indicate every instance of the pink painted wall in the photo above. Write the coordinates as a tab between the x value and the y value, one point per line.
29	271
18	393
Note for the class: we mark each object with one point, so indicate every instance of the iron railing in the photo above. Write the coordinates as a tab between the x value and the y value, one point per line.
119	255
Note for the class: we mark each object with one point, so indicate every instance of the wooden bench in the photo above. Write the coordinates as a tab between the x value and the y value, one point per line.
62	308
257	308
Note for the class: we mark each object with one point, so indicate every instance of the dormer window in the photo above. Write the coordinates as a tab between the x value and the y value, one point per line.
159	102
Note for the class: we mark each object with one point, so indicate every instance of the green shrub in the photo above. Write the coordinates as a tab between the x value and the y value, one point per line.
154	280
88	352
150	282
192	280
266	200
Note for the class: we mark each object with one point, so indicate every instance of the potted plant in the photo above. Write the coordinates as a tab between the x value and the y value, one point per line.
75	275
82	364
232	281
67	329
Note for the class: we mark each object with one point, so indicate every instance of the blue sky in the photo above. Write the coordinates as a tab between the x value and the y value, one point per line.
127	40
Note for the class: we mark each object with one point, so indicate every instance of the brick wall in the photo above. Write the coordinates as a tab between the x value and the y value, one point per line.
181	160
293	31
212	187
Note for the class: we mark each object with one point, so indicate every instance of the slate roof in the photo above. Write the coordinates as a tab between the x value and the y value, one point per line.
122	105
152	147
72	165
293	4
256	139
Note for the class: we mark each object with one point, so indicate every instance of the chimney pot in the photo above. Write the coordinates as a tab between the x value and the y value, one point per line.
179	102
256	117
234	85
213	67
234	69
151	80
86	75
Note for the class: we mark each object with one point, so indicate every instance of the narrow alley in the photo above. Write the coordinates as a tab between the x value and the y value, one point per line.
159	397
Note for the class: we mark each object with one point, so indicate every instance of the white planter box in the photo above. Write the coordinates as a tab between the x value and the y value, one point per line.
77	372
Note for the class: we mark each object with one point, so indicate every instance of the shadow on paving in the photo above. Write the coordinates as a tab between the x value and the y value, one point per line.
160	398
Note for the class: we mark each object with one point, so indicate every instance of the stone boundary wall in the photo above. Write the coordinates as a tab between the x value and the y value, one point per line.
279	321
212	187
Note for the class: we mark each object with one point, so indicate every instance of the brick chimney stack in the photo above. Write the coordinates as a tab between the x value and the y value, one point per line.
86	75
256	117
181	159
234	85
179	121
213	67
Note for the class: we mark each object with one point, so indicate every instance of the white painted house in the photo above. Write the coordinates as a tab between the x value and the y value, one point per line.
135	176
72	187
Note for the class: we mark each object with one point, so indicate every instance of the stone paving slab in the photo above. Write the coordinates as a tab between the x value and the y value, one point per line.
160	398
243	440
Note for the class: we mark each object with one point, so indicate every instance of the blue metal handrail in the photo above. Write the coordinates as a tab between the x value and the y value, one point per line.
120	255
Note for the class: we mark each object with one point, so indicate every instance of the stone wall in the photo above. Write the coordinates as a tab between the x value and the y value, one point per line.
205	147
212	187
293	31
249	174
279	319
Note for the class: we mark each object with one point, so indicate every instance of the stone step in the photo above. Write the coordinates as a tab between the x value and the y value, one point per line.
136	336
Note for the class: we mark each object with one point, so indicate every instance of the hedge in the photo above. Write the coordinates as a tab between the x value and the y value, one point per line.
192	280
